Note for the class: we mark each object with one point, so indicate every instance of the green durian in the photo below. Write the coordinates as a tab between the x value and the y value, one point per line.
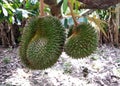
82	42
42	42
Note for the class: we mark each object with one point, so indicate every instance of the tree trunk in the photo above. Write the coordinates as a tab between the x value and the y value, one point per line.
117	10
113	31
4	38
9	34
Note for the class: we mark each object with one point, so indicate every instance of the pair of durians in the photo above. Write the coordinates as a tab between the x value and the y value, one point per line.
43	41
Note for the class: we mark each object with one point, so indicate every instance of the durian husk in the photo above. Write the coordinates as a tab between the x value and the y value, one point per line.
83	42
42	42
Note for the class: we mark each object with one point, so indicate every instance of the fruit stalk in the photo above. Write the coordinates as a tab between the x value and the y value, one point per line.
71	9
41	8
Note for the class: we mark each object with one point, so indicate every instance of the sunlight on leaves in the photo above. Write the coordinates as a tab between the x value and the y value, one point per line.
4	11
65	6
99	23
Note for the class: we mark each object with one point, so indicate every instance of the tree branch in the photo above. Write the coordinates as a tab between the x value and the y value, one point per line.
71	9
99	4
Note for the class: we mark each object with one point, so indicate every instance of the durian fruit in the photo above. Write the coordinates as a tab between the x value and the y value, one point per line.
82	42
42	42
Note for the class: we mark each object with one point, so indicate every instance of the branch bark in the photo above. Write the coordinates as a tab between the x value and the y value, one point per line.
99	4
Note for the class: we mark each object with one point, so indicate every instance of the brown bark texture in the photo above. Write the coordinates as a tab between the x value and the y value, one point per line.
99	4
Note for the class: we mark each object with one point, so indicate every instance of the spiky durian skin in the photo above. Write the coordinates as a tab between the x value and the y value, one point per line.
42	42
82	43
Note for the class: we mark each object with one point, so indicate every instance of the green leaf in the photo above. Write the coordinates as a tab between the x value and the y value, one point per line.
19	15
10	12
7	5
76	6
10	19
72	2
65	5
4	11
0	11
28	5
46	9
